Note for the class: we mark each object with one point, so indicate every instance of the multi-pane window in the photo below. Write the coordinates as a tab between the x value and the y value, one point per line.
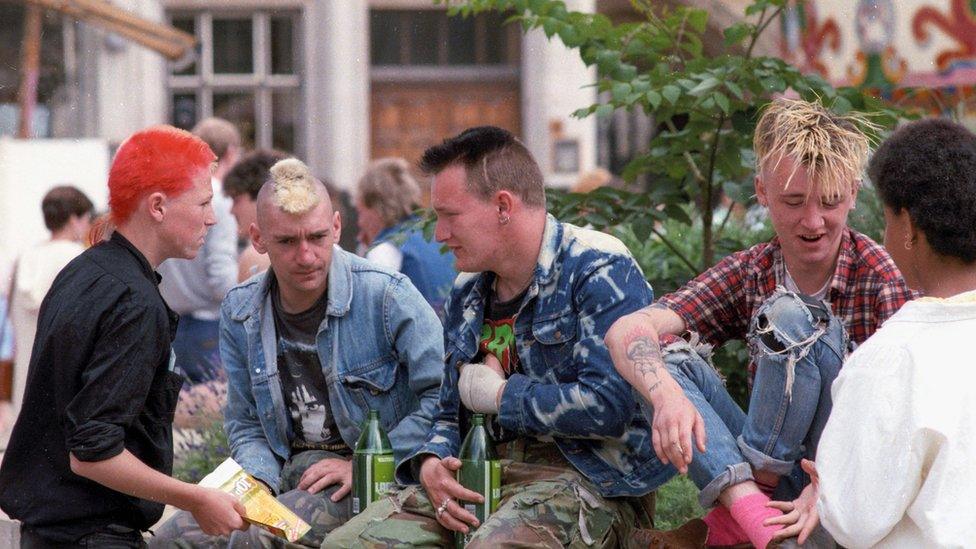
246	72
431	38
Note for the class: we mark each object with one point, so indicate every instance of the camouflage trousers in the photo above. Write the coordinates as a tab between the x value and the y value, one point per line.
541	506
318	510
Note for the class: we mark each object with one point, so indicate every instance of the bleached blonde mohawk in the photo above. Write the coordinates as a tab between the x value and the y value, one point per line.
832	148
294	188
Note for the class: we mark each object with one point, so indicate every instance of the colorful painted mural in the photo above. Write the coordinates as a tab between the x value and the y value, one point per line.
920	53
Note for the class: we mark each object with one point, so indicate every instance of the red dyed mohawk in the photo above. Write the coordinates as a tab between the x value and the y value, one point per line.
159	158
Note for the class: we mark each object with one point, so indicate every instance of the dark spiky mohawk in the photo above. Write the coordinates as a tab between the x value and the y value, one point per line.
466	148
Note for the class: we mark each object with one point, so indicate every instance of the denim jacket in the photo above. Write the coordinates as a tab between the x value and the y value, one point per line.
379	346
569	389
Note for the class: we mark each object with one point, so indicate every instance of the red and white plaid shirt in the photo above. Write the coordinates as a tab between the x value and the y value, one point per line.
718	304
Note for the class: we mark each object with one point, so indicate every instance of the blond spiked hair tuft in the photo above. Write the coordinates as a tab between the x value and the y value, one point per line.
294	188
832	148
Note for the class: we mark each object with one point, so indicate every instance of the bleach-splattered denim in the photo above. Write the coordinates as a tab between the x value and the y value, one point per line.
568	390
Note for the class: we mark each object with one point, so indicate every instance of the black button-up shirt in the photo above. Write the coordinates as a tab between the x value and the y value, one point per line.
99	382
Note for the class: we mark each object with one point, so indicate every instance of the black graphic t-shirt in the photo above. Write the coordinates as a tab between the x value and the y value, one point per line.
498	338
302	381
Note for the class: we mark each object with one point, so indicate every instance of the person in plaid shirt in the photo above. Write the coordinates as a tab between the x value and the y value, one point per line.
801	301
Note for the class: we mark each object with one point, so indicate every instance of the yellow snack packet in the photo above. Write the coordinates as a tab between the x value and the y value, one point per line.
261	508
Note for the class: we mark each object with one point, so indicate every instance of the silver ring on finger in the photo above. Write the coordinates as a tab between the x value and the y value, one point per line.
443	507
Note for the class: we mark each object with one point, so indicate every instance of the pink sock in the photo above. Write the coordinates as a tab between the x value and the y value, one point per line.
750	512
722	528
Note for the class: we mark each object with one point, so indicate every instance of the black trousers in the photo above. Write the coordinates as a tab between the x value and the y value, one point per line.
110	537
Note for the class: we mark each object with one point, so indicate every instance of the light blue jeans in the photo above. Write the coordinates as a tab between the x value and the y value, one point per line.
798	347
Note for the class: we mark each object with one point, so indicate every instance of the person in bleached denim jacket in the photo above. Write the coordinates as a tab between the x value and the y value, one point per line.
310	346
524	345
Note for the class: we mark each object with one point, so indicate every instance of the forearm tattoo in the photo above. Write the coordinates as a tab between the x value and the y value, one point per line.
645	356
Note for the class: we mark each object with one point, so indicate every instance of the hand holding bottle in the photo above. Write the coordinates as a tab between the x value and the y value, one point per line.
444	491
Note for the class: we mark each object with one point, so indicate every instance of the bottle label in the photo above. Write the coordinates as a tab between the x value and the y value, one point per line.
372	478
484	477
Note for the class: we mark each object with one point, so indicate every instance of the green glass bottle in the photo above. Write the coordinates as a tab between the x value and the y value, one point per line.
481	472
372	464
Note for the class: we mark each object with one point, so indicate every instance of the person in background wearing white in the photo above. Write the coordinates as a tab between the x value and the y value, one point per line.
896	458
67	214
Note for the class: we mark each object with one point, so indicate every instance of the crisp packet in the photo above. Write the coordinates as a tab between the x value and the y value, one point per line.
261	508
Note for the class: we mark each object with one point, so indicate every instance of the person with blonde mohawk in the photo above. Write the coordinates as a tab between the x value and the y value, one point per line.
310	346
801	301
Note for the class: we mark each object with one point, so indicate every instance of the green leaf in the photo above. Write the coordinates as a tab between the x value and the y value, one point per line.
677	213
735	89
550	26
654	99
774	84
698	20
671	93
604	111
722	101
625	72
704	86
737	32
620	90
583	113
841	105
570	36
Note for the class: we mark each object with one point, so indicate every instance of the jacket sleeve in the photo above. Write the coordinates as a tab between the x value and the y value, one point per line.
599	403
441	439
415	334
248	443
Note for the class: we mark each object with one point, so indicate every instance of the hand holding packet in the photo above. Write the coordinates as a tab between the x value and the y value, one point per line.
261	508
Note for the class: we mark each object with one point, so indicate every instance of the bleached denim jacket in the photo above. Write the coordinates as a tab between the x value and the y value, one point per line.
569	389
379	345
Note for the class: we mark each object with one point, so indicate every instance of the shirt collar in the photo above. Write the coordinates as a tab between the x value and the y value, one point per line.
144	265
841	282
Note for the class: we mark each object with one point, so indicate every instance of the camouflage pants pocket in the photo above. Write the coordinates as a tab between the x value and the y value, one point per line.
404	518
555	513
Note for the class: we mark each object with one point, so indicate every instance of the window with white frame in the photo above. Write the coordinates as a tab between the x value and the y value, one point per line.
247	71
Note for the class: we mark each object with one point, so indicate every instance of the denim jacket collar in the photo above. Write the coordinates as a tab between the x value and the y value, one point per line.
465	336
340	289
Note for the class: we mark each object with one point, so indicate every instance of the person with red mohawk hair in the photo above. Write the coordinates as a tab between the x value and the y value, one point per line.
90	456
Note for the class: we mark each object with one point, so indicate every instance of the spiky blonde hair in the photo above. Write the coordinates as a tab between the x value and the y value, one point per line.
294	188
831	147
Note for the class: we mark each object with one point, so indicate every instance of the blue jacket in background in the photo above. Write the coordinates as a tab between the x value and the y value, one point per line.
569	389
431	271
379	345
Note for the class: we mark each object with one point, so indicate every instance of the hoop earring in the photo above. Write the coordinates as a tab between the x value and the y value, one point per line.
908	244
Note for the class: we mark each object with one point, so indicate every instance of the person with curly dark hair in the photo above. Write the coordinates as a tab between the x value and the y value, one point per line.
896	455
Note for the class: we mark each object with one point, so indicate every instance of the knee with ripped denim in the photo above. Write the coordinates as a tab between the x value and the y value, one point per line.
789	324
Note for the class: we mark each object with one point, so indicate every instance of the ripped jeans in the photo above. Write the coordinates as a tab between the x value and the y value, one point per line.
798	348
